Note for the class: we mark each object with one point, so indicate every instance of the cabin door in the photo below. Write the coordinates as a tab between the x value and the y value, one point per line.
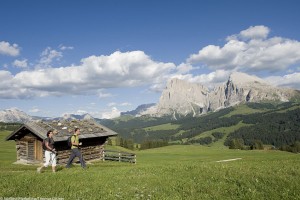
38	150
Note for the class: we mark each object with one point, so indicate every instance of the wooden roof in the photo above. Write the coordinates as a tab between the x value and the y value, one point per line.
63	129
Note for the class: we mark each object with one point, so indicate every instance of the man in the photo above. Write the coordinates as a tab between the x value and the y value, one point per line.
75	149
50	153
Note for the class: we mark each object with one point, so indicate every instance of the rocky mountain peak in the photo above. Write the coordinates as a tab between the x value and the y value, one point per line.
14	115
243	79
182	98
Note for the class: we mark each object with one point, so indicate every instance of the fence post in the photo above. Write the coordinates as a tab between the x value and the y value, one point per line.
119	157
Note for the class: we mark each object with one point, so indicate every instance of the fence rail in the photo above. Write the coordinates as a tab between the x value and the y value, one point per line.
119	156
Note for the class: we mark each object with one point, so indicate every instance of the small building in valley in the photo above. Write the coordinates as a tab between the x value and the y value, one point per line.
29	138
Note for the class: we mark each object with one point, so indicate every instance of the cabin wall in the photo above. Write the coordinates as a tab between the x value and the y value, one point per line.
26	149
92	149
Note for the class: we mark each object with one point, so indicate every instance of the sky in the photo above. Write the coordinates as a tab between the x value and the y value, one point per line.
109	56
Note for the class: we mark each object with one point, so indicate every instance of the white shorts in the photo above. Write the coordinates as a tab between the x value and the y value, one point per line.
50	157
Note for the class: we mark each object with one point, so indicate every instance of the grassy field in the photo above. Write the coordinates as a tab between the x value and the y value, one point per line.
173	172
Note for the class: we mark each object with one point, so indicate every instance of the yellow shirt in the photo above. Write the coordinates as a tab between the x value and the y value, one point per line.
74	139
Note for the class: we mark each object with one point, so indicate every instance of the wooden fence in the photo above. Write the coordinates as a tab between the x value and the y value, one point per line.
119	156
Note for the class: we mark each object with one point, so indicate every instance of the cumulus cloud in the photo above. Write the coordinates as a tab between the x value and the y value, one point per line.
184	68
34	110
289	80
250	50
81	112
253	32
9	49
125	104
111	104
48	56
20	63
111	114
101	94
210	80
95	73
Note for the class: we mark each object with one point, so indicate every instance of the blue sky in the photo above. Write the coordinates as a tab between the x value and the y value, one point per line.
104	57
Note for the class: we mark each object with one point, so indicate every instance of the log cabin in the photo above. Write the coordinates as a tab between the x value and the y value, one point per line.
30	135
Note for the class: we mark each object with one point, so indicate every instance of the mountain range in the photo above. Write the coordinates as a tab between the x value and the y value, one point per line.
182	98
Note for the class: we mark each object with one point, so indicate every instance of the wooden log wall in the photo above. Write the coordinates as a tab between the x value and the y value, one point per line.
21	150
89	153
25	149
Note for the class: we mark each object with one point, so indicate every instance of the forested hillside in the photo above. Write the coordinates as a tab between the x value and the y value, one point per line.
9	126
274	124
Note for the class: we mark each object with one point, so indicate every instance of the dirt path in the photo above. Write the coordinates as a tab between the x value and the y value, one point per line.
229	160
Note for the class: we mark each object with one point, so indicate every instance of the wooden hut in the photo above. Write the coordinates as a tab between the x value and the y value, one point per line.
29	138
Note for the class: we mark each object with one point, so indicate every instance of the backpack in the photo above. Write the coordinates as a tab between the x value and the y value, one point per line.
44	144
70	140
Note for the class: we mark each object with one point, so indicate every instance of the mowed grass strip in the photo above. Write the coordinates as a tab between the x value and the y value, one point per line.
173	172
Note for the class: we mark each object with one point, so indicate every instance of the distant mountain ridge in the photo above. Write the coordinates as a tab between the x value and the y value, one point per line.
80	117
14	115
140	109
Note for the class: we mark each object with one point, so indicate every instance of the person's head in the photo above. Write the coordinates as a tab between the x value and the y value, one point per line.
77	131
50	133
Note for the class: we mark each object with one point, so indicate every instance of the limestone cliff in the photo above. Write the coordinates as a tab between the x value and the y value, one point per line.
183	98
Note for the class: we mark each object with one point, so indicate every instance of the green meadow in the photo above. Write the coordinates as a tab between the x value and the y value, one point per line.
172	172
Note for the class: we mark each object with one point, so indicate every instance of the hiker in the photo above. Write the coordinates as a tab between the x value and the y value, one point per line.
75	151
50	153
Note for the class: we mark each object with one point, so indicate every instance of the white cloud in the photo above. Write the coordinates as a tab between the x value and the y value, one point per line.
253	32
7	49
95	73
125	104
48	56
111	114
81	112
259	53
63	47
34	110
5	80
103	95
20	63
289	80
111	104
184	68
209	80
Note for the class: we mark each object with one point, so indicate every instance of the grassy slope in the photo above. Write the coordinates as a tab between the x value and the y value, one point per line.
225	130
167	126
243	109
289	109
173	172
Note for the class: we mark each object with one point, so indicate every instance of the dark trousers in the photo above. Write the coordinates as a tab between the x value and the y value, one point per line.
76	153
